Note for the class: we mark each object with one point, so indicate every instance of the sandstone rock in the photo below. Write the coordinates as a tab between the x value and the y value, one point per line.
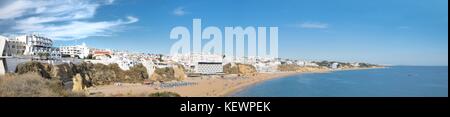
91	74
63	72
168	74
246	69
78	85
35	67
179	73
241	69
296	68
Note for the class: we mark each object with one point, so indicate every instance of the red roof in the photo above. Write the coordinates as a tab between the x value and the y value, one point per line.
102	52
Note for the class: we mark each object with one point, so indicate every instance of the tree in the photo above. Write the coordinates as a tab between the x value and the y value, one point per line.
44	55
89	56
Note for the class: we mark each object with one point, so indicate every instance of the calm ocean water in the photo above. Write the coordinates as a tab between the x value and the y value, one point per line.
401	81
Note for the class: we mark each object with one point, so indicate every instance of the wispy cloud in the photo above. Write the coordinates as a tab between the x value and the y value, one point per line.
179	11
59	19
312	25
77	29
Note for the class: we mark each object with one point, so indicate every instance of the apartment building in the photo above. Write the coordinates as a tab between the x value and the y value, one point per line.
209	67
31	45
80	51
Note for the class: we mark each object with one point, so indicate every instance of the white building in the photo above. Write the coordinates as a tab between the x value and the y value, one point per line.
197	57
81	51
306	64
200	63
209	67
334	65
266	67
14	48
2	59
123	62
355	64
32	45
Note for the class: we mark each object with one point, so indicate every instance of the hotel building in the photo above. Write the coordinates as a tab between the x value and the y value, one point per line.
209	67
81	51
200	63
31	45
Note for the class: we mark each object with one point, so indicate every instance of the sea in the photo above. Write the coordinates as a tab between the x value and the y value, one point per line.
396	81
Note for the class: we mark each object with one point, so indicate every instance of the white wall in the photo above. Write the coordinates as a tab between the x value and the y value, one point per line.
2	60
13	62
2	44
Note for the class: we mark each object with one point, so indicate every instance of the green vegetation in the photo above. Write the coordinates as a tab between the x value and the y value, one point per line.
367	65
138	73
345	65
90	56
324	63
164	94
44	55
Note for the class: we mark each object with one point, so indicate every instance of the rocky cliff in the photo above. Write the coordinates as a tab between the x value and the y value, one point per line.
297	68
238	68
89	74
168	74
35	67
78	84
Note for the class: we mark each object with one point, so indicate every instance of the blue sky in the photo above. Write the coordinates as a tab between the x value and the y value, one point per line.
396	32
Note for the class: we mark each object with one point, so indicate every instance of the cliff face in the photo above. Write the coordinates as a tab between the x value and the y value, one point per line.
89	74
179	72
64	72
78	84
168	74
296	68
36	67
241	69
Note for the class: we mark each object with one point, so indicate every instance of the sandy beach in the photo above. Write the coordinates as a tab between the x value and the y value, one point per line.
205	86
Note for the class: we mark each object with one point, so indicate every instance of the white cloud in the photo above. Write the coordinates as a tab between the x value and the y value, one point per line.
59	19
15	9
179	11
313	25
109	1
77	29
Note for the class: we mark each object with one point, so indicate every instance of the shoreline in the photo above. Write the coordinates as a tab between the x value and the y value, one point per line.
205	86
287	74
235	89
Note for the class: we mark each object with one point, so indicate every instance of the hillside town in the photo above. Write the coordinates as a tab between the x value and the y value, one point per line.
79	66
